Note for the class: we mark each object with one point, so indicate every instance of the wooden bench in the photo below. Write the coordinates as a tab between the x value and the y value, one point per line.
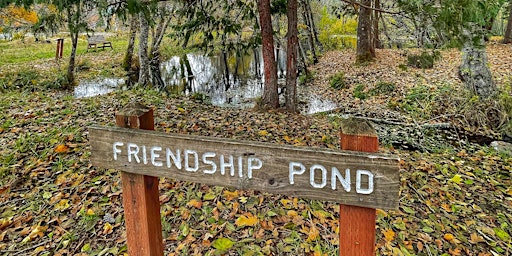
98	41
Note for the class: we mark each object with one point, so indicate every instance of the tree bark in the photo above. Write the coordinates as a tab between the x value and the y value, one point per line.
270	98
158	35
310	33
144	72
291	57
74	19
508	33
365	49
312	24
128	57
474	71
375	31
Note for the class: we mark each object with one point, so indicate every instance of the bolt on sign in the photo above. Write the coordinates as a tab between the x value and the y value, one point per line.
349	178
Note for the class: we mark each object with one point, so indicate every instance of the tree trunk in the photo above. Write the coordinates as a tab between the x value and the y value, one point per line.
158	35
72	25
474	71
291	57
270	98
311	41
128	57
365	49
375	31
312	24
508	33
144	75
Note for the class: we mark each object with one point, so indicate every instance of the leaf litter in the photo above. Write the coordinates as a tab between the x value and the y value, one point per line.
457	201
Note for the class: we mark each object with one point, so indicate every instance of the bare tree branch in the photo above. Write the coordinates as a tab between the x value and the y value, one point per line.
354	3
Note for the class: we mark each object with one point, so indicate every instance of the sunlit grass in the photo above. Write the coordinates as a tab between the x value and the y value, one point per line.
27	50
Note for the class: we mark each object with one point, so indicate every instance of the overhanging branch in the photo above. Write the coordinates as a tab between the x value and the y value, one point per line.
354	3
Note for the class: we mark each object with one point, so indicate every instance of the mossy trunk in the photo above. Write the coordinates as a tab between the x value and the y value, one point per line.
144	76
508	32
128	57
474	71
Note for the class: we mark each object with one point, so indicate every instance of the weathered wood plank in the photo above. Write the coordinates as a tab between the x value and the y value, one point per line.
251	165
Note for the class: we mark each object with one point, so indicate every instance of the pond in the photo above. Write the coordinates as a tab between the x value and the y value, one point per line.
227	79
92	88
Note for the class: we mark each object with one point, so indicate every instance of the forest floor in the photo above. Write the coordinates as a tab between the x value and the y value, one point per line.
455	197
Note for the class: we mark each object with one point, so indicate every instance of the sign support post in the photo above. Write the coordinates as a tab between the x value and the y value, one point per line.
357	224
140	193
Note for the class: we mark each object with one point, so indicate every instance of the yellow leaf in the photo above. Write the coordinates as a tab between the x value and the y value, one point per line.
287	138
389	235
247	220
5	223
39	249
313	234
381	213
107	228
35	232
456	178
61	148
263	133
448	237
195	203
286	203
230	195
292	213
62	205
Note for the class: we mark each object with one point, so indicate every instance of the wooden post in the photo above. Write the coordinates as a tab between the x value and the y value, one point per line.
140	193
60	48
357	224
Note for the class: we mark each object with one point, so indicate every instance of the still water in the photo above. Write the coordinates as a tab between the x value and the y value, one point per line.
228	79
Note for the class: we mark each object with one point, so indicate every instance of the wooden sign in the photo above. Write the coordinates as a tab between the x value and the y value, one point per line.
350	178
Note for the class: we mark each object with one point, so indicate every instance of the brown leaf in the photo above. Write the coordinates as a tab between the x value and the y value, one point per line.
474	238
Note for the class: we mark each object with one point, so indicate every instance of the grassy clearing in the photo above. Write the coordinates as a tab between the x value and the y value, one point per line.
20	52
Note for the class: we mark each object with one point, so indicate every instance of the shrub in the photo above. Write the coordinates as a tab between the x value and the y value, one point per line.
337	81
383	88
424	60
359	92
306	77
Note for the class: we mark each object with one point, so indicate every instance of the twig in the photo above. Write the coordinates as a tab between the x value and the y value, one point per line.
28	249
369	7
421	196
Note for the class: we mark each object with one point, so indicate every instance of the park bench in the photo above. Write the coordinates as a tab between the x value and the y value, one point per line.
98	41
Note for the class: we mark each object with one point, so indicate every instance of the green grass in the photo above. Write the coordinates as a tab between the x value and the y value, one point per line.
19	52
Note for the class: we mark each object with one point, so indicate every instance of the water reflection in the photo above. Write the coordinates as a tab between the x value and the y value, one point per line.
228	79
97	87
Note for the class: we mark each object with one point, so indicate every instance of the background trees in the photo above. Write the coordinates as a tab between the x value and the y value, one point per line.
240	24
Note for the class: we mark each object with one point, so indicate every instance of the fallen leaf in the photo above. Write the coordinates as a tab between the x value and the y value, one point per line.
223	244
448	237
61	149
230	195
247	220
313	233
107	228
389	235
475	238
195	203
